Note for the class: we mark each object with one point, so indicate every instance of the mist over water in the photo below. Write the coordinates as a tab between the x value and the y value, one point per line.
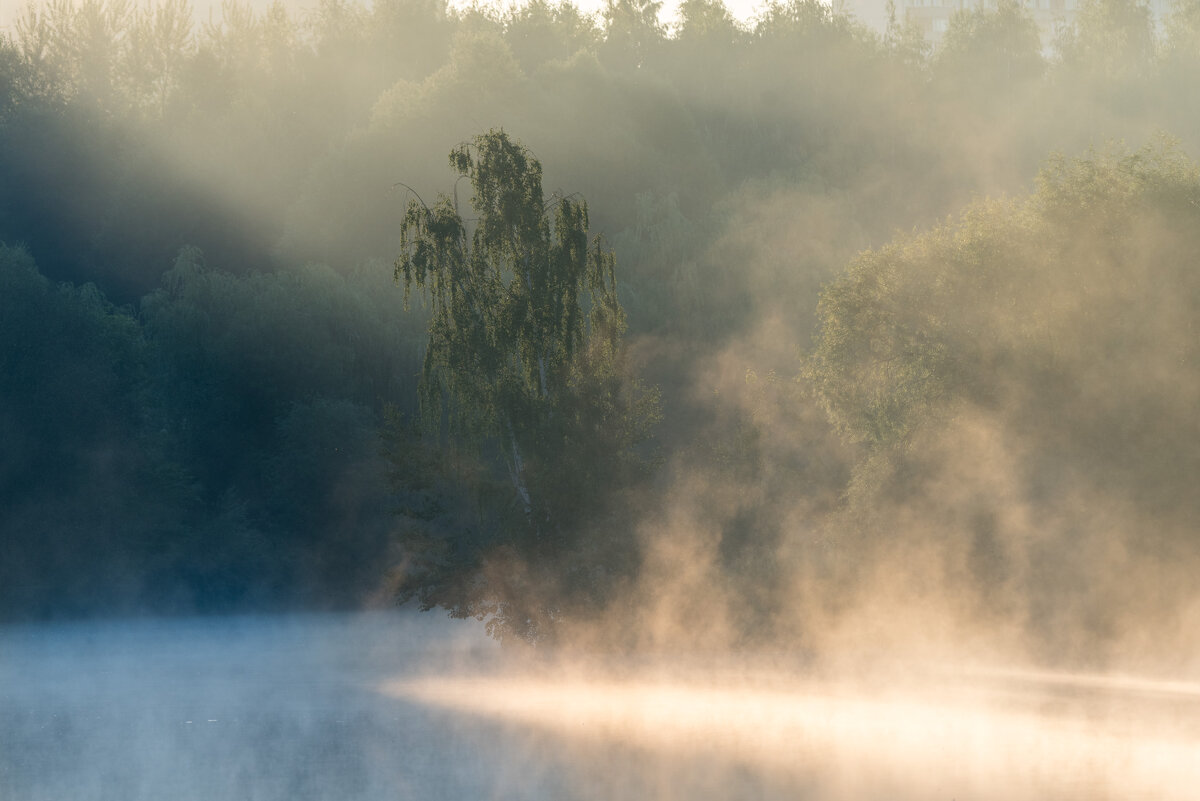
375	706
243	707
810	508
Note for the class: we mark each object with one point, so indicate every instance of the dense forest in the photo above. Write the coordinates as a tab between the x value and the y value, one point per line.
849	334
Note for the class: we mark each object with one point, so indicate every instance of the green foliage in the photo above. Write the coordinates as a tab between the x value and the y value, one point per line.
632	33
904	39
1064	316
239	351
97	349
219	436
895	330
525	348
1110	39
1021	383
85	480
216	451
991	52
707	23
18	78
540	32
1183	32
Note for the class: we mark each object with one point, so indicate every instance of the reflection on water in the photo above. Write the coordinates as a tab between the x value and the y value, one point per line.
399	706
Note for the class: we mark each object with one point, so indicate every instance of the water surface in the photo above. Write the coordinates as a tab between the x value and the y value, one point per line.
405	706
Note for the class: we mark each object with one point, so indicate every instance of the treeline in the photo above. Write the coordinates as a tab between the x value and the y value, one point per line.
271	139
215	449
192	407
1022	384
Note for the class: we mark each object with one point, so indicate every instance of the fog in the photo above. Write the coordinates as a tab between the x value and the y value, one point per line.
820	419
237	707
411	706
744	11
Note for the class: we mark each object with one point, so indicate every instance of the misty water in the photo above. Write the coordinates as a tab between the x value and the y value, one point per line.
401	706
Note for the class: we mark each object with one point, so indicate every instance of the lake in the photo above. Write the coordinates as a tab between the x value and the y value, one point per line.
407	706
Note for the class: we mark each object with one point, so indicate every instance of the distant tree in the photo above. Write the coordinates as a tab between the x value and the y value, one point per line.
707	21
1183	31
707	49
18	81
1065	314
82	49
1110	39
409	38
1022	385
987	52
1180	66
802	18
539	32
904	39
632	32
523	368
160	44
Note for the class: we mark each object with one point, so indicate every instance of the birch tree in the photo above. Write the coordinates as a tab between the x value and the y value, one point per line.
523	363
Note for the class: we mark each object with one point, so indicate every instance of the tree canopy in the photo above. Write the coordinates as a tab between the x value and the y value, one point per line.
523	366
203	431
1023	383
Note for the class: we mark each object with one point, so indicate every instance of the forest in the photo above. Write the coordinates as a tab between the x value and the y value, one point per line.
775	334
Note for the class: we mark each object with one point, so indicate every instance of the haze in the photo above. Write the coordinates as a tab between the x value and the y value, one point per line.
755	403
206	9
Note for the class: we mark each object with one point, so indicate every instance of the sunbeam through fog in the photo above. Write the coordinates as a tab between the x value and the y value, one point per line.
395	705
951	735
781	400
